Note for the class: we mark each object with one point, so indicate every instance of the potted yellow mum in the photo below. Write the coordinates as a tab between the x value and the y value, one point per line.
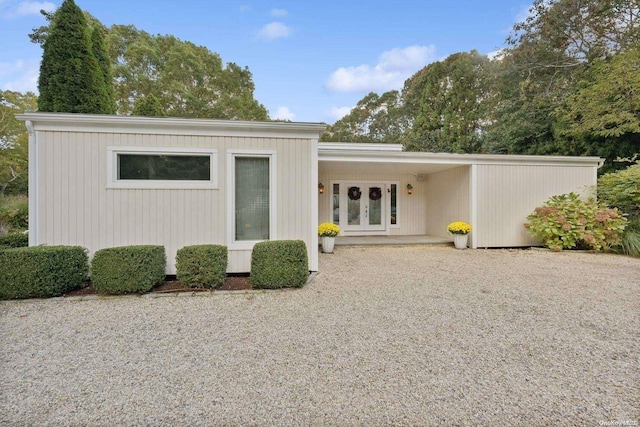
460	231
328	232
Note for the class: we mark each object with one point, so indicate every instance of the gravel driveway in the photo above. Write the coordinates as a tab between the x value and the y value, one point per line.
413	335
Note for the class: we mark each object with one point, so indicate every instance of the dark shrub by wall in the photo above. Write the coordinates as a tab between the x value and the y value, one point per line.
202	266
42	271
279	264
14	240
128	269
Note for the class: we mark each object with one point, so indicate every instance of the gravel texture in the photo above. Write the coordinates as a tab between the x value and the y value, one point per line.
413	335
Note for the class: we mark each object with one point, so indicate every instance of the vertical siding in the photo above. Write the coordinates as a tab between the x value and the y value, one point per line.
448	199
77	208
411	208
507	194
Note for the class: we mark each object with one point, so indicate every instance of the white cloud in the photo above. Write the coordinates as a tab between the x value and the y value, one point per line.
20	75
497	55
34	7
276	13
336	113
283	113
274	30
11	9
393	68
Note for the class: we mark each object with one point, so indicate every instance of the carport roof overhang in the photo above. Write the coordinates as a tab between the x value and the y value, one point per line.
387	161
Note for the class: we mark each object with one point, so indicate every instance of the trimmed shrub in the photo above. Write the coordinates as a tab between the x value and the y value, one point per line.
14	212
128	269
42	271
14	240
566	222
279	264
202	266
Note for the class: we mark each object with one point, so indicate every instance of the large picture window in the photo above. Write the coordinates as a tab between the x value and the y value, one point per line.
160	167
251	195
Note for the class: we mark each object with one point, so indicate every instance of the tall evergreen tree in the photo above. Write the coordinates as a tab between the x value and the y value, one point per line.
70	77
99	50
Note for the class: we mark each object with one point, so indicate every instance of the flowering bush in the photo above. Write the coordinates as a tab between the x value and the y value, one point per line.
459	227
327	229
566	222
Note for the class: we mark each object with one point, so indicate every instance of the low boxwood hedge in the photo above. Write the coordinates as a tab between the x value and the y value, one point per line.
14	240
202	266
279	264
42	271
128	269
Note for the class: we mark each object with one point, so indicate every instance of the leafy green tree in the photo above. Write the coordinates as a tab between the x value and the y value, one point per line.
374	119
188	80
548	56
449	98
14	141
148	106
602	116
70	77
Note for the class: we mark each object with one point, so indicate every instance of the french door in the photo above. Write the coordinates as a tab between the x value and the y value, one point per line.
363	206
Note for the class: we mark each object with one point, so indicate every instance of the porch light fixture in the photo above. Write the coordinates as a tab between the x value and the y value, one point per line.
320	188
409	189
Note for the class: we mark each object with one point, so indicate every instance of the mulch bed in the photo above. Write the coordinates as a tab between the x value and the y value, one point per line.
231	283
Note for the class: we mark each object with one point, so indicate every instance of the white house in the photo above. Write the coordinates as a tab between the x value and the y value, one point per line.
102	181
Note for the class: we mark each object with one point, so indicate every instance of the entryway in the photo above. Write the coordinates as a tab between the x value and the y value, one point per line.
360	208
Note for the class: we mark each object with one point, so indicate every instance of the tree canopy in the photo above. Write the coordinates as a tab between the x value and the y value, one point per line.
567	83
14	141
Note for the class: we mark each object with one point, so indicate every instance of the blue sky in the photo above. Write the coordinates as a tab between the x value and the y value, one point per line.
311	61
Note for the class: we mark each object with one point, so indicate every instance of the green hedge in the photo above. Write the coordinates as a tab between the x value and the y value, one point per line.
42	271
128	269
14	240
202	266
279	264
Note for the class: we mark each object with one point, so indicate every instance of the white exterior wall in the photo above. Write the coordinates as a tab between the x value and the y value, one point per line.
448	200
411	208
75	207
506	194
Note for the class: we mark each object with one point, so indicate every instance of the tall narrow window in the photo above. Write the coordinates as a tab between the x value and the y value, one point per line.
394	204
336	204
252	198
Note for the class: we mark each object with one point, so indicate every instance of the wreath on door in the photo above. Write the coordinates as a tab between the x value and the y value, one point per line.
354	193
375	193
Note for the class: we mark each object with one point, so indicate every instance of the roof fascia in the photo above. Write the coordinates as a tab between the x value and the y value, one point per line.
406	157
169	126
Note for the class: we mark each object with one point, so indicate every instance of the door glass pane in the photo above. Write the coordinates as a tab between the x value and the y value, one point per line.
336	204
375	206
252	198
354	196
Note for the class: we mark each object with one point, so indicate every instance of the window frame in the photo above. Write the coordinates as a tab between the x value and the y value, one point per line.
113	181
232	154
